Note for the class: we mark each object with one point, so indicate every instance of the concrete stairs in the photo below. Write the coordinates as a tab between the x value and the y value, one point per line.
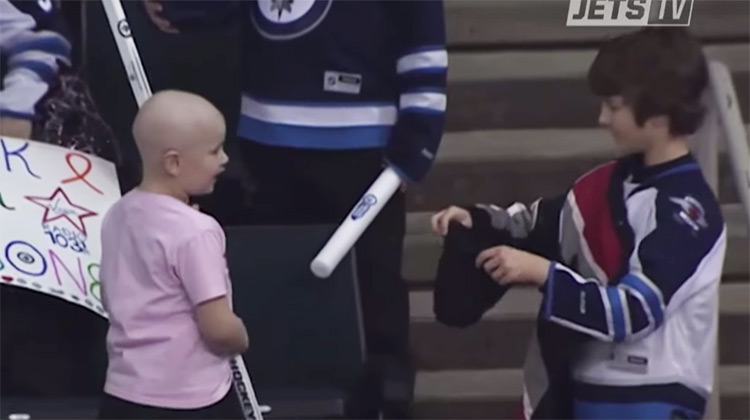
522	124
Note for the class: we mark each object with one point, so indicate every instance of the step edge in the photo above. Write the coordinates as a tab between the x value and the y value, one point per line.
529	144
507	383
504	65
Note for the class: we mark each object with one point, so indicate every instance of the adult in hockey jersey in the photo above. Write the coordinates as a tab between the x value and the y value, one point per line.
630	257
33	43
334	91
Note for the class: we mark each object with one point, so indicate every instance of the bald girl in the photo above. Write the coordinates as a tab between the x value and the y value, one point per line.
164	279
180	138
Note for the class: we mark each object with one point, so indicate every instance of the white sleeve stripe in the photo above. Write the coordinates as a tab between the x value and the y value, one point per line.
576	327
607	307
635	335
577	277
428	100
21	75
650	293
626	312
22	90
319	116
642	299
36	55
422	60
50	60
653	287
607	313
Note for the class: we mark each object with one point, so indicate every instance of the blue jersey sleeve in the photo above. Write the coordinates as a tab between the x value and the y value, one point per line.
33	43
680	245
421	66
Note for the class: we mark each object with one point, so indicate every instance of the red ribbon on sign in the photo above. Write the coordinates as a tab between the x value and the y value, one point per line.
80	176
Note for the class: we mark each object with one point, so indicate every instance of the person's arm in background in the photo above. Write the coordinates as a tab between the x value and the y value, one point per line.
32	55
422	67
173	16
201	267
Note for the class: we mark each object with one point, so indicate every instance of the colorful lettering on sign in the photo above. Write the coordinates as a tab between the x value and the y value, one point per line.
25	258
28	260
67	239
17	154
3	205
56	261
95	284
59	260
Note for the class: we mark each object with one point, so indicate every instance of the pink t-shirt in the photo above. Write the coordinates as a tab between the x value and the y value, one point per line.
160	259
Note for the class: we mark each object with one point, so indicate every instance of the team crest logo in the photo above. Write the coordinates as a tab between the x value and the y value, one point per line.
691	212
288	19
363	206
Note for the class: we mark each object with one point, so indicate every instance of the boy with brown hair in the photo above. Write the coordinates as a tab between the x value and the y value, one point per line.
629	260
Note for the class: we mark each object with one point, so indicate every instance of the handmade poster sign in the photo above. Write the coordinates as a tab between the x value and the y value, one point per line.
52	202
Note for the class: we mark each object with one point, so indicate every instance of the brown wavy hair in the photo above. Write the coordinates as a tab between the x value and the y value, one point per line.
658	71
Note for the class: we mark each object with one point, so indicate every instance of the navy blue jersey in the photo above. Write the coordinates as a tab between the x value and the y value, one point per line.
638	255
338	74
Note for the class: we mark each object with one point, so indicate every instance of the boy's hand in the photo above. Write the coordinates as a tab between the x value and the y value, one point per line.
508	265
442	219
154	9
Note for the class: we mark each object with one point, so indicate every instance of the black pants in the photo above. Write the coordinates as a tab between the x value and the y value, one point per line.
297	186
113	408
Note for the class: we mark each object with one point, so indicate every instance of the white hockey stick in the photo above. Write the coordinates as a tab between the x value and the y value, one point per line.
131	60
363	213
245	392
120	27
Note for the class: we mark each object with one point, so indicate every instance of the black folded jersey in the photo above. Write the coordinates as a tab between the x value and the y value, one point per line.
463	293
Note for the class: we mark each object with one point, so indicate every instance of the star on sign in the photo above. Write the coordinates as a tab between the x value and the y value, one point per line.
58	206
281	6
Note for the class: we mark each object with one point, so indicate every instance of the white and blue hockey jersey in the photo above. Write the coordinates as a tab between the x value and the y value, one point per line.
638	257
339	74
32	45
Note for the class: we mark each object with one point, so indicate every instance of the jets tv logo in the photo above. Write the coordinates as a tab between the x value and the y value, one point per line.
288	19
630	12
